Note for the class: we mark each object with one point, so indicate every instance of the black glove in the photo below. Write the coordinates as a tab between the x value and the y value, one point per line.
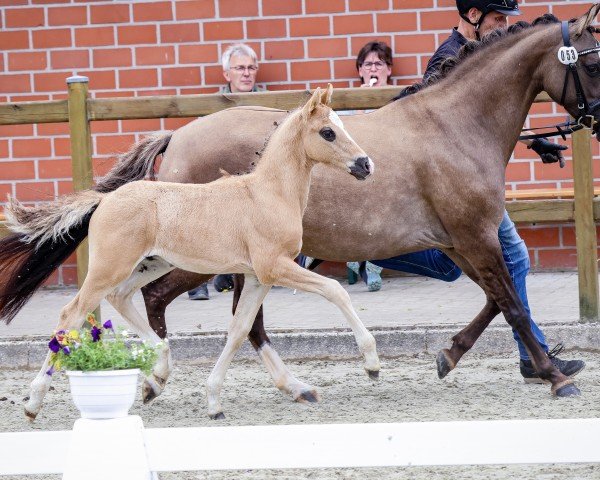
223	282
548	151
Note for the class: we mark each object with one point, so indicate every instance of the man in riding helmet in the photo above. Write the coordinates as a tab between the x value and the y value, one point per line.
477	19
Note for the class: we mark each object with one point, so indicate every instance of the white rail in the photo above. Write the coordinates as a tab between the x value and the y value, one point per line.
134	452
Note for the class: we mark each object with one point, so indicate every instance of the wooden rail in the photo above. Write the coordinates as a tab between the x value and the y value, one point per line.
578	206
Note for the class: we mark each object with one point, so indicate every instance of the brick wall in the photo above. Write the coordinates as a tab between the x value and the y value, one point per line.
173	47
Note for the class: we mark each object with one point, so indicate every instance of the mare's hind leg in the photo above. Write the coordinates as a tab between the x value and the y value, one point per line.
149	269
250	301
288	273
282	377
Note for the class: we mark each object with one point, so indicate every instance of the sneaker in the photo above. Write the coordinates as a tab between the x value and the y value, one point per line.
369	272
199	293
352	272
223	282
570	368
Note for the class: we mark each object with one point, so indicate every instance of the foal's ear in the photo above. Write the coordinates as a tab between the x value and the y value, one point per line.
326	95
586	20
312	103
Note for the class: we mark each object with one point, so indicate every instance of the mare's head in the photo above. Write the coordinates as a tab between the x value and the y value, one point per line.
584	58
325	139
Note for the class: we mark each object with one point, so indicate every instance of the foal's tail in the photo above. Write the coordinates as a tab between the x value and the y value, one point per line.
136	164
43	237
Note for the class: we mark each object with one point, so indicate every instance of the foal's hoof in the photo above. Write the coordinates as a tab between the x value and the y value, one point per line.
217	416
444	364
308	396
569	390
30	415
373	374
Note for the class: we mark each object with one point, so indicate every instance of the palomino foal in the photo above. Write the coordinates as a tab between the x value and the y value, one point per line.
143	230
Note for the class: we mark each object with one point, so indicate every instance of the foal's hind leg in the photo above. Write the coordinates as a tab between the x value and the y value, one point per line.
282	377
252	296
149	269
288	273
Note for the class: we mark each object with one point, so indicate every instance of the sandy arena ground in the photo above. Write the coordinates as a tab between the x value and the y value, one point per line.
481	388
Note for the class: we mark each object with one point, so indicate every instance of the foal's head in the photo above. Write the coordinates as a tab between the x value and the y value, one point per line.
326	140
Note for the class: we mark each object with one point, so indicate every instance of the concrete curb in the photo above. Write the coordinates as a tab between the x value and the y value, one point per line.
30	352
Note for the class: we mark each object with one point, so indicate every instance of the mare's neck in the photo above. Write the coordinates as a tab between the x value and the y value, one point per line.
284	168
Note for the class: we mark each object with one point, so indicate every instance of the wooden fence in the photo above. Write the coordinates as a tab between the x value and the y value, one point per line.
79	111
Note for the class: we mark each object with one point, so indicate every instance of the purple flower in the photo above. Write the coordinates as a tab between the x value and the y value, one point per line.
66	350
108	325
96	332
50	371
54	345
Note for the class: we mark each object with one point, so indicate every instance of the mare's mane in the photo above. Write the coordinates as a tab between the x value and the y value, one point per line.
471	47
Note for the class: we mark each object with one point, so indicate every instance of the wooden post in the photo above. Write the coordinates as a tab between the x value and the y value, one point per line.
81	157
585	227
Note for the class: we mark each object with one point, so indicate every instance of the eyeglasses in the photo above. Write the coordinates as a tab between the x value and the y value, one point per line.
377	65
243	68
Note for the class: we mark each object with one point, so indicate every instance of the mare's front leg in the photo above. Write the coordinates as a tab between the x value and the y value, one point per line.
282	377
252	297
485	256
287	273
161	292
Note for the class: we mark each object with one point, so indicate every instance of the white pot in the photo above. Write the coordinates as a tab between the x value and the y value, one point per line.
103	394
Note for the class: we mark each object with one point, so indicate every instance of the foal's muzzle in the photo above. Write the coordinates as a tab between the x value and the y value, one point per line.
362	168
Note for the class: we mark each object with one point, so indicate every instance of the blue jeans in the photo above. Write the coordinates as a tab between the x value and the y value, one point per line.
436	264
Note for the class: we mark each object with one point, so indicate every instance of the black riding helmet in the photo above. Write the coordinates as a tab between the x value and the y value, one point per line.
505	7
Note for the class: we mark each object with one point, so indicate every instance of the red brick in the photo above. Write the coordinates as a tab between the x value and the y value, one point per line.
5	190
51	38
368	5
359	42
65	187
68	275
413	44
551	171
344	68
16	171
19	83
31	148
137	34
198	53
149	12
67	16
15	40
410	4
235	8
271	28
146	125
213	74
181	76
100	79
272	72
346	24
112	57
309	26
66	59
327	47
50	82
287	86
181	32
192	9
230	30
518	172
13	3
530	13
3	149
138	78
113	144
570	10
396	22
113	13
16	130
319	6
281	7
562	258
23	17
94	36
53	279
404	66
62	147
439	20
155	56
27	61
55	169
540	237
175	123
289	49
35	191
310	70
110	126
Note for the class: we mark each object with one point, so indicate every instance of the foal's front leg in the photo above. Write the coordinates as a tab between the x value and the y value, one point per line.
252	297
288	273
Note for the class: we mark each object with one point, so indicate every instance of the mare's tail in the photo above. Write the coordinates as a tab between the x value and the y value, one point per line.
136	164
43	237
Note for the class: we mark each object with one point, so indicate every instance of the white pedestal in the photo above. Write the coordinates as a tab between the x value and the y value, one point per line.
107	449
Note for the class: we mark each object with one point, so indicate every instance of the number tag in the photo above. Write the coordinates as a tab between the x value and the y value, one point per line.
567	55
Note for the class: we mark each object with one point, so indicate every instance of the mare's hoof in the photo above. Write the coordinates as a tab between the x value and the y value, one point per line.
373	374
148	393
569	390
308	396
217	416
444	366
30	415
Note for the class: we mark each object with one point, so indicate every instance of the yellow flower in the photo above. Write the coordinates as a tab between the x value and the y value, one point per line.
73	335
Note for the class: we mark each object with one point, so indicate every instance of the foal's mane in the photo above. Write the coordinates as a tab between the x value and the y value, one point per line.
472	47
